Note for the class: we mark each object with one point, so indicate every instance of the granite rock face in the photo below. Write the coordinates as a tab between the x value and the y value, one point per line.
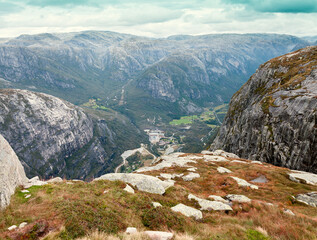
273	117
51	136
11	172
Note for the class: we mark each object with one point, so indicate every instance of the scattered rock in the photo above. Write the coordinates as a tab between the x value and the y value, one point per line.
193	169
256	162
55	180
169	161
224	154
22	225
261	179
129	189
168	183
191	176
244	183
131	230
210	205
170	176
238	198
28	196
141	182
308	198
188	211
156	204
289	212
34	182
223	170
209	158
218	198
12	227
309	178
207	152
157	235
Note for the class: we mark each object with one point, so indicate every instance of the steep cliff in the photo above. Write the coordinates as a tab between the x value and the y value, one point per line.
273	117
55	138
11	172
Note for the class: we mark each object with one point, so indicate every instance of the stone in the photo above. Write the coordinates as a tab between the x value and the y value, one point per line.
188	211
11	172
223	170
69	183
191	176
210	205
218	198
22	225
309	178
13	227
244	183
129	189
224	154
239	161
27	196
193	169
257	162
25	191
170	176
142	182
209	158
238	198
131	230
308	198
168	161
207	152
158	235
168	183
156	204
289	212
35	181
55	180
260	179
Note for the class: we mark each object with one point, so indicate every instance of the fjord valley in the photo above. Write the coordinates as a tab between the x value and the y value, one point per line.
105	136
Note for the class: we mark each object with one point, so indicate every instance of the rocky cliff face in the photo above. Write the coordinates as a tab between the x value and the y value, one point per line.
273	117
55	138
11	172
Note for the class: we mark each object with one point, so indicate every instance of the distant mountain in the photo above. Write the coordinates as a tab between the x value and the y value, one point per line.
311	39
53	137
273	117
141	77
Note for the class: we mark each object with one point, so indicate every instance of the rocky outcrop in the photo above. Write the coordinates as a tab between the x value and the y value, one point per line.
11	172
52	136
273	117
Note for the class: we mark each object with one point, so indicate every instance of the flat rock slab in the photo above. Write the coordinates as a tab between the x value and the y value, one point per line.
142	182
244	183
225	154
261	179
157	235
34	182
238	198
239	161
191	176
168	161
209	158
223	170
55	180
210	205
129	189
188	211
131	230
218	198
308	198
309	178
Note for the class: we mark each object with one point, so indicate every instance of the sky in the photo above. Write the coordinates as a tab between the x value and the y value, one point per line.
159	18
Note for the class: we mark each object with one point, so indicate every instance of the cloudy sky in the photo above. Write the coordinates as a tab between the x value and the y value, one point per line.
159	18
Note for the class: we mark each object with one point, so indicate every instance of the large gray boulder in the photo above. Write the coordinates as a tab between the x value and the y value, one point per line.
141	182
11	172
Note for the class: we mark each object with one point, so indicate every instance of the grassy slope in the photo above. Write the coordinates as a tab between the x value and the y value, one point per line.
74	210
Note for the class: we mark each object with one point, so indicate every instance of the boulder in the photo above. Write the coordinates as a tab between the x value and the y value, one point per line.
13	227
210	205
156	204
131	230
223	170
261	179
34	182
188	211
209	158
238	198
157	235
22	225
55	180
308	198
309	178
11	172
129	189
218	198
191	176
244	183
142	182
